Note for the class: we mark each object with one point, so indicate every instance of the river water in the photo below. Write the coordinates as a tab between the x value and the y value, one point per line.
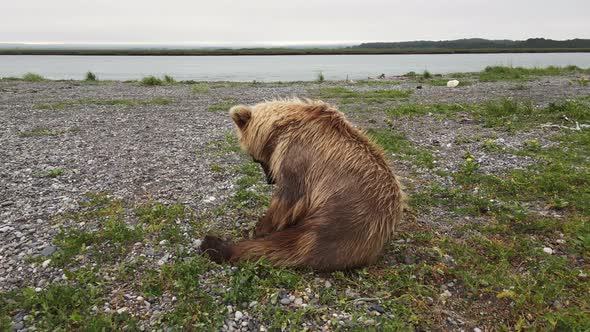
272	68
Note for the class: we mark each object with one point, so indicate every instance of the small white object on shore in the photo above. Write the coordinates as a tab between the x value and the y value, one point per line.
548	250
209	199
452	83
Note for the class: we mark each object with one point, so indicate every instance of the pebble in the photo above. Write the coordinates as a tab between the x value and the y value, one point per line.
327	284
163	260
6	203
209	199
376	307
238	315
477	329
446	294
46	263
447	259
298	301
370	322
5	229
18	326
48	250
285	301
122	310
548	250
253	304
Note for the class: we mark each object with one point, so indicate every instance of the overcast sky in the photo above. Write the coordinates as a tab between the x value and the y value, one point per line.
219	21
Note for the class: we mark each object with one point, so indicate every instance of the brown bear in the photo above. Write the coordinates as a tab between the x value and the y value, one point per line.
336	201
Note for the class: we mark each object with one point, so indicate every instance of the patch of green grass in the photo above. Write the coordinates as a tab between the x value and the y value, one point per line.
200	88
65	306
506	114
396	143
517	115
426	74
371	96
90	77
490	145
500	73
32	77
216	168
488	267
584	81
108	102
52	173
151	81
223	106
195	309
109	240
224	146
254	280
162	220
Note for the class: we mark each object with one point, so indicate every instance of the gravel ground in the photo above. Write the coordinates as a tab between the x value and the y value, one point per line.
160	152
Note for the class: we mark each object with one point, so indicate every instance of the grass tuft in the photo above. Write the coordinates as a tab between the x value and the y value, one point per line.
53	173
397	144
32	77
169	80
151	81
320	77
90	77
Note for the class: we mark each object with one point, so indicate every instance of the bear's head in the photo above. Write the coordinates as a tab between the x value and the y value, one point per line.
255	126
262	127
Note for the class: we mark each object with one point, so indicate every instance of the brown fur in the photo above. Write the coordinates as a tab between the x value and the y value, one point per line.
336	201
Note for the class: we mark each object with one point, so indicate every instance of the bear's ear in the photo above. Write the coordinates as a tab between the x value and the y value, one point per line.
241	115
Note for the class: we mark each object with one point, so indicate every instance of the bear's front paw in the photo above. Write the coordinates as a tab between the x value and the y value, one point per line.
215	248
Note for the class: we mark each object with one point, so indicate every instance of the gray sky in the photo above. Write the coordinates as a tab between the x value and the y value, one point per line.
175	21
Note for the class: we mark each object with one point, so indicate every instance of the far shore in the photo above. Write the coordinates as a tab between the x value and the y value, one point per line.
281	51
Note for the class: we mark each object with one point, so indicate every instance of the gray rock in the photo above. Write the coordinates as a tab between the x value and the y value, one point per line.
285	301
48	250
18	326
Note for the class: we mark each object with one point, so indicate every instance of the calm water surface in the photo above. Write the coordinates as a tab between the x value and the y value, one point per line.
271	68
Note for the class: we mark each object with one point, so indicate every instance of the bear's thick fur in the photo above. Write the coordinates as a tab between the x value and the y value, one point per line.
336	201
